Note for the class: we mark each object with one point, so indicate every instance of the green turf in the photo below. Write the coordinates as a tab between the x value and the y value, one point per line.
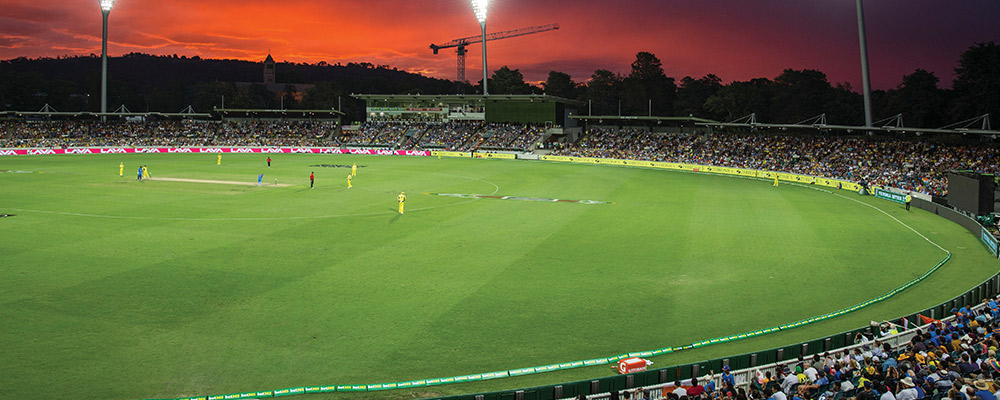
121	289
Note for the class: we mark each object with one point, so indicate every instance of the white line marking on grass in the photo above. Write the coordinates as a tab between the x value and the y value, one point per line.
371	214
218	182
821	190
495	187
895	219
877	209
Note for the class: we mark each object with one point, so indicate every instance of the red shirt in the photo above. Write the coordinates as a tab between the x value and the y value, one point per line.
696	390
310	176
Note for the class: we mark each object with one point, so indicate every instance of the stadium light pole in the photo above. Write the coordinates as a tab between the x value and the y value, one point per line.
866	82
479	6
105	11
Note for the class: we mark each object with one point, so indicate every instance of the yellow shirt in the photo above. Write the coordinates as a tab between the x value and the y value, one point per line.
401	197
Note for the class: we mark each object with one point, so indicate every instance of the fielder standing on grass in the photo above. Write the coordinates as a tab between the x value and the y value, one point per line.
121	169
220	160
349	176
402	200
354	169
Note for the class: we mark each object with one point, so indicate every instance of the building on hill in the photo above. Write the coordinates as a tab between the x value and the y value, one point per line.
295	90
269	78
522	109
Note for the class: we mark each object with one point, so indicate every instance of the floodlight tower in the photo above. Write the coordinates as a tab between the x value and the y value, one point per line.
866	82
479	6
105	11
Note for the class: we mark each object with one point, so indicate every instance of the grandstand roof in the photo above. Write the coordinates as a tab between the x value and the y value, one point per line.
88	114
467	97
850	128
609	118
246	112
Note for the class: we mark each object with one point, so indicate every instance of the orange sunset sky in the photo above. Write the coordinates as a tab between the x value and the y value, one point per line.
734	39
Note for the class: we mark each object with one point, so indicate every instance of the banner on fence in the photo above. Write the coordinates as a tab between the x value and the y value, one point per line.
505	156
991	242
887	195
213	150
459	154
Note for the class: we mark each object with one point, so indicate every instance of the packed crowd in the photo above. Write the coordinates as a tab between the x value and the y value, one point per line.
510	136
954	360
379	134
20	134
913	165
451	137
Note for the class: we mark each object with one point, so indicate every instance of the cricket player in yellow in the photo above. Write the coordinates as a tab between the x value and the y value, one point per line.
776	180
402	200
145	172
354	169
121	169
220	160
349	181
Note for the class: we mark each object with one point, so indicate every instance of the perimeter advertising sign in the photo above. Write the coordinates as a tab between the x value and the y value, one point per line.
213	150
891	196
744	172
506	156
991	242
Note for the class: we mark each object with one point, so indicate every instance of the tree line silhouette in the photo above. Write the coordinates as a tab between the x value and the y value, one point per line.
144	82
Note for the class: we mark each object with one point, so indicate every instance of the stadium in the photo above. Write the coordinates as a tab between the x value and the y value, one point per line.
546	251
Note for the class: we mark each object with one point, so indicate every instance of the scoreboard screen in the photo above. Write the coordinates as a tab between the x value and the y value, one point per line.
971	192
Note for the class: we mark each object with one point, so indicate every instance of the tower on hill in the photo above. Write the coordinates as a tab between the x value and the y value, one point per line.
269	71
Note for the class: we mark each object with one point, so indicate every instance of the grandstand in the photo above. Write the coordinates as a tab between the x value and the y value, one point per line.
520	109
910	164
58	134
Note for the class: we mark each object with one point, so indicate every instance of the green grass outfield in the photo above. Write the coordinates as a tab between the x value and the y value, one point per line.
118	289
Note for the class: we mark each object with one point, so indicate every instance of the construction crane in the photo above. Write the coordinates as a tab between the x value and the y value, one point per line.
463	42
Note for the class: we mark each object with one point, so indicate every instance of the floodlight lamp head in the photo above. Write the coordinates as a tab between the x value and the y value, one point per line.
106	5
479	6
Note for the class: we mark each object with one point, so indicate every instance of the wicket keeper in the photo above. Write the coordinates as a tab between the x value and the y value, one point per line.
402	200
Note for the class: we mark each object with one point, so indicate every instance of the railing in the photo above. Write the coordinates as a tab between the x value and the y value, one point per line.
744	366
